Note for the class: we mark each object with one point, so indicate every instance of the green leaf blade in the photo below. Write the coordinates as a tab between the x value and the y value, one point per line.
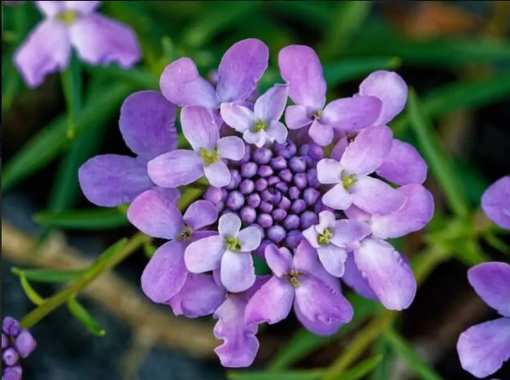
85	318
88	219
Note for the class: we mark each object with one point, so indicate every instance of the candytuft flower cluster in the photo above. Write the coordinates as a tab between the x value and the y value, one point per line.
315	195
16	344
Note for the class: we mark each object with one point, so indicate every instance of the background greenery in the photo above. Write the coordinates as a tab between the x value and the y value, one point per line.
456	57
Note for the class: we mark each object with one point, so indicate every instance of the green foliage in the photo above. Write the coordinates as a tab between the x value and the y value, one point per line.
85	318
85	219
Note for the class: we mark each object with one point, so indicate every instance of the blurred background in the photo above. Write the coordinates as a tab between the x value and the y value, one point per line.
456	56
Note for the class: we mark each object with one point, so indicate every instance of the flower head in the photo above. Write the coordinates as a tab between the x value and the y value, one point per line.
484	348
314	215
16	344
97	39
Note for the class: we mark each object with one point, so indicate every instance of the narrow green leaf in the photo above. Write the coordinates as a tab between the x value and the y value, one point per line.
32	295
495	242
439	162
137	77
109	256
460	95
303	343
378	39
52	139
355	68
382	371
49	275
288	375
85	318
402	348
349	18
360	370
72	87
312	13
219	18
149	250
90	219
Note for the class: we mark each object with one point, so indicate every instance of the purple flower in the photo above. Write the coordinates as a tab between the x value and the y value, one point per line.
375	269
16	343
484	348
240	342
147	126
98	40
262	124
301	68
350	175
298	282
333	239
230	251
496	202
182	167
240	69
155	215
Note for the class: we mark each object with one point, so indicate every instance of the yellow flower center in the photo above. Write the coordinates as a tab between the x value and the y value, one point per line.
348	181
67	17
325	237
186	233
317	114
232	244
259	125
209	157
293	277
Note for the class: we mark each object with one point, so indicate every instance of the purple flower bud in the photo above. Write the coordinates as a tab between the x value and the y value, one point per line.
265	220
266	207
220	206
310	162
277	197
235	200
254	200
261	184
5	341
286	175
293	239
291	222
287	149
311	177
10	326
248	215
316	152
311	196
265	171
10	356
308	219
319	207
285	203
213	195
247	186
279	214
282	186
276	233
273	180
246	157
25	343
294	193
300	181
297	164
224	194
298	206
304	149
235	180
279	163
262	156
266	195
249	169
12	373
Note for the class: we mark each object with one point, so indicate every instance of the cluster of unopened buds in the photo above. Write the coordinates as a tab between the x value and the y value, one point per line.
314	197
17	343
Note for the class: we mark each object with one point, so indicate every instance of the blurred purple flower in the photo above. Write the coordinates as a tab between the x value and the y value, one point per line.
496	202
97	39
484	348
182	167
301	68
240	69
147	124
16	343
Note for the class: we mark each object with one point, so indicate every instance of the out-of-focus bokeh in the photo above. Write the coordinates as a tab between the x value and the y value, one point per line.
454	54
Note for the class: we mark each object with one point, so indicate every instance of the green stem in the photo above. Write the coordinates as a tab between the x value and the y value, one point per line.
71	85
102	264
